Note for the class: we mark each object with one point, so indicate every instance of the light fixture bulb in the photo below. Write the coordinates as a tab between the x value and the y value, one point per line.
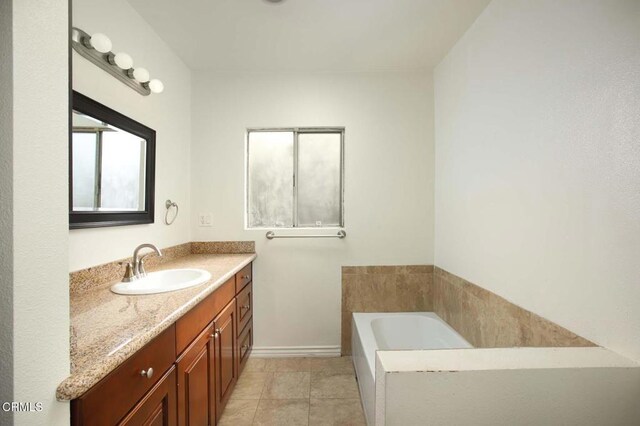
123	60
141	75
100	42
156	86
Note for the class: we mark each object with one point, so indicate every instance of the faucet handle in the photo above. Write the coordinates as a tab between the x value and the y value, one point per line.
141	271
128	272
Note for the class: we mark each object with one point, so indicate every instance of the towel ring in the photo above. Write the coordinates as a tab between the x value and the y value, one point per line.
168	204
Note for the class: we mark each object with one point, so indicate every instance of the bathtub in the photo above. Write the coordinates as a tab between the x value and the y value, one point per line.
373	332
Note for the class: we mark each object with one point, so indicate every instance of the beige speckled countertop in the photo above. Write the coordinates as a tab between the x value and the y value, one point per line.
108	328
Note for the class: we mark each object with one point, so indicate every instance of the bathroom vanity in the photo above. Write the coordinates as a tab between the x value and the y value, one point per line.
177	356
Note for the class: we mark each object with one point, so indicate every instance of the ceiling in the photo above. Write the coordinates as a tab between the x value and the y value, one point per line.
310	35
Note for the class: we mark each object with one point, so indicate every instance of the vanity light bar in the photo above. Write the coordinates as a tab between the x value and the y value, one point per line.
97	49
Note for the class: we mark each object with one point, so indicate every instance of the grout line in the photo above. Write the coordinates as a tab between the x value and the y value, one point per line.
255	413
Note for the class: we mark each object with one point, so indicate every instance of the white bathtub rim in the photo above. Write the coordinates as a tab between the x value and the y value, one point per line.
362	323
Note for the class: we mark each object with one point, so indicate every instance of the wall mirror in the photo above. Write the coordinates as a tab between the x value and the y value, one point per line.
111	167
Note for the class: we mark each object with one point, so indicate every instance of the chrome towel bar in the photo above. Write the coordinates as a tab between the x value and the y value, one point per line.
341	234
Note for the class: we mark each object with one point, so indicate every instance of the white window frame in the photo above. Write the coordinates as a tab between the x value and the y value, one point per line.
296	131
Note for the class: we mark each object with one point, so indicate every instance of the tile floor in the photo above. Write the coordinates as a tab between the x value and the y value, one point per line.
295	391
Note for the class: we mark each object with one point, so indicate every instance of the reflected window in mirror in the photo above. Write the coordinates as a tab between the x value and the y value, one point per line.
112	167
108	165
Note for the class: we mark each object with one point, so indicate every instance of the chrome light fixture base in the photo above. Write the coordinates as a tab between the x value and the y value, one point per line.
80	43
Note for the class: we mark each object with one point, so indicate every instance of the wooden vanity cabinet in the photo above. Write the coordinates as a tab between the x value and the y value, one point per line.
158	407
227	354
196	363
189	326
245	307
114	396
196	381
245	343
244	277
244	302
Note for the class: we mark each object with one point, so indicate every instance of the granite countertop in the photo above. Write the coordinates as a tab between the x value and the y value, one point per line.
108	328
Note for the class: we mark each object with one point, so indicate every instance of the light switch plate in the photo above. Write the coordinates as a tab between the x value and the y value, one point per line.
204	219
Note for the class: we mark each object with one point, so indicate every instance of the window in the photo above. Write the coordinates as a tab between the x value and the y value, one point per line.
295	178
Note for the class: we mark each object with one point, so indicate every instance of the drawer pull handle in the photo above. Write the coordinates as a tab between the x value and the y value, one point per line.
148	373
245	307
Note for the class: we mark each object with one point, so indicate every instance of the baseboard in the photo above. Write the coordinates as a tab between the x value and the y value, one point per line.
294	351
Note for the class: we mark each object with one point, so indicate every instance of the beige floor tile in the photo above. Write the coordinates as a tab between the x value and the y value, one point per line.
342	364
255	364
287	385
331	384
336	412
287	364
239	412
276	391
250	385
282	412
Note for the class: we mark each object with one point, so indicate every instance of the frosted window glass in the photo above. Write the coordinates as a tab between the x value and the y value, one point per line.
270	180
84	170
123	169
319	182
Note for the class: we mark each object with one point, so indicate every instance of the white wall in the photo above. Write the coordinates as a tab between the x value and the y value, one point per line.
388	181
168	113
35	77
537	162
6	208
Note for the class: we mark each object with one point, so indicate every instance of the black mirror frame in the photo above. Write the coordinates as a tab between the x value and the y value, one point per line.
78	220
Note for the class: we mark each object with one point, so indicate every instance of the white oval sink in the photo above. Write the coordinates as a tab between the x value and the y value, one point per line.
163	281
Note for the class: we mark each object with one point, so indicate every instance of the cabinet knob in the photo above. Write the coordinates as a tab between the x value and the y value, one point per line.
214	335
245	307
245	277
148	373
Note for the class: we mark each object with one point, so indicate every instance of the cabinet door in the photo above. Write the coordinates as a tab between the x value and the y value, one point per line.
226	355
196	381
158	407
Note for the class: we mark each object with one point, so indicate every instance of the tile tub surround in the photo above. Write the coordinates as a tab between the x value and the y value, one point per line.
295	391
483	318
107	328
99	275
487	320
404	288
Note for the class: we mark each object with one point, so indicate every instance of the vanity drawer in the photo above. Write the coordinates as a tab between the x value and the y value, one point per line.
243	277
245	343
109	400
193	322
245	306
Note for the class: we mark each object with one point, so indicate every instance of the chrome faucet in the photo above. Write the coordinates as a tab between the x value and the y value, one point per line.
138	262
